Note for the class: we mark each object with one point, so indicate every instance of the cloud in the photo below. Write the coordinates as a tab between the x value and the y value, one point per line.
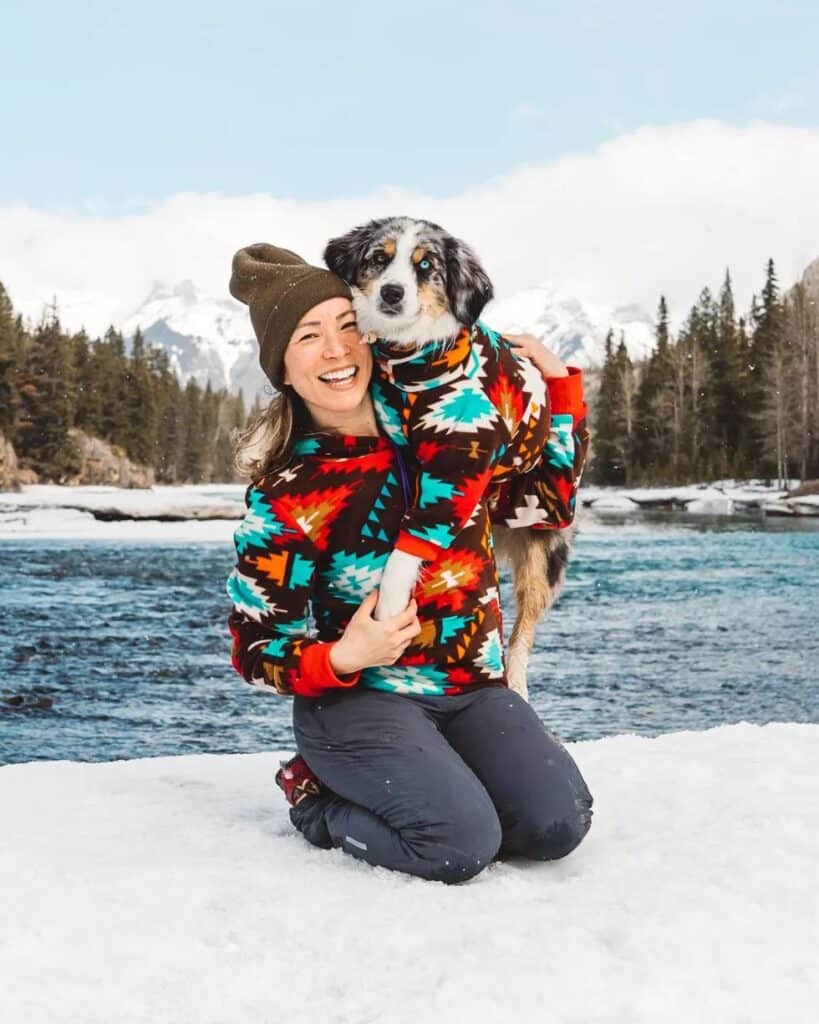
660	209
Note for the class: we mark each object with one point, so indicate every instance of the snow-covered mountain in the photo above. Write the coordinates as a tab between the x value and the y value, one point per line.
575	330
205	337
211	338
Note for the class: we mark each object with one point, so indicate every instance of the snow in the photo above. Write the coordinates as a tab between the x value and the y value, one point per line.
52	511
574	329
205	337
612	503
810	501
724	497
46	510
72	524
175	890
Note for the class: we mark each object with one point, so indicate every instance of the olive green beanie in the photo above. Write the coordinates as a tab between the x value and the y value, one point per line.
279	287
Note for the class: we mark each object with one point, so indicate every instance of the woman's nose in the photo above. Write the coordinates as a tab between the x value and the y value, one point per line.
335	344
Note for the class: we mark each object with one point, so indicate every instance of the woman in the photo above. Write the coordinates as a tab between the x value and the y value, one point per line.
428	763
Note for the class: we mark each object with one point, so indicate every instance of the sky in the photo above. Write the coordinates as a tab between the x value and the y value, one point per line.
112	114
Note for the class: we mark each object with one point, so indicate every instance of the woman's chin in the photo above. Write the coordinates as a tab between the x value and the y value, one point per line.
330	401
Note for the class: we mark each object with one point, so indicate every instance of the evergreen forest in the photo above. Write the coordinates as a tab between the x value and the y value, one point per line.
729	396
53	381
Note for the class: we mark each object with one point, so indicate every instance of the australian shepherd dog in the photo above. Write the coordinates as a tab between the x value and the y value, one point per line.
413	283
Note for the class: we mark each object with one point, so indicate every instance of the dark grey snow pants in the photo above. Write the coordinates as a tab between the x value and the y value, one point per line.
437	786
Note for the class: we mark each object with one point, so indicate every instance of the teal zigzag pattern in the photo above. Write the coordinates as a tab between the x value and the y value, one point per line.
560	446
259	524
417	679
465	409
351	577
386	496
387	416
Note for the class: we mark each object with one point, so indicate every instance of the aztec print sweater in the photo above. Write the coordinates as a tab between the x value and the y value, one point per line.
471	412
316	537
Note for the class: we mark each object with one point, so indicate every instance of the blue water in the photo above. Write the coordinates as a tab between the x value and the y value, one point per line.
667	622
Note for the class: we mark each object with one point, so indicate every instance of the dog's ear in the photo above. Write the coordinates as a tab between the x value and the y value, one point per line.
468	287
344	255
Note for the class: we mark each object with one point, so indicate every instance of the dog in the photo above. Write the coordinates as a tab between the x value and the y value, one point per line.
418	293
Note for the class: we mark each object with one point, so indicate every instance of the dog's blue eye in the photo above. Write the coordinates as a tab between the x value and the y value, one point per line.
424	264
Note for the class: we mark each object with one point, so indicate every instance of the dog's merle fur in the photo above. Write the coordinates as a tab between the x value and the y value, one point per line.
442	282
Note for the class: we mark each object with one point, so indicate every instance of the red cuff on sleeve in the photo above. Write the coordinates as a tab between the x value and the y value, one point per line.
566	393
316	675
415	546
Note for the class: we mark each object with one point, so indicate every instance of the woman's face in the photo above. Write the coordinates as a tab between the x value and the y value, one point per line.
327	364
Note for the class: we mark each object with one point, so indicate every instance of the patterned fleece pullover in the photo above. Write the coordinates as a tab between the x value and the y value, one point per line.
317	535
471	411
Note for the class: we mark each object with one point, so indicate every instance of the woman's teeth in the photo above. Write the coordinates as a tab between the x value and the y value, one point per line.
339	376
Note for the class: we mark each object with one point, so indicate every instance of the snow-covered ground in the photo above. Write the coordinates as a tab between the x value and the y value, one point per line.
175	890
724	497
64	513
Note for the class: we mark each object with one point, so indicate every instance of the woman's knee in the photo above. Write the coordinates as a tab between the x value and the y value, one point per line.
458	845
556	837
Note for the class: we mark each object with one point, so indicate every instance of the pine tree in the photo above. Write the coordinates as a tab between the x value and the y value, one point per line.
770	380
800	330
47	399
624	416
193	451
140	402
11	348
607	468
654	406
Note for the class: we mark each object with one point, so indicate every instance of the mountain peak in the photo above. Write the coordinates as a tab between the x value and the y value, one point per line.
184	291
575	330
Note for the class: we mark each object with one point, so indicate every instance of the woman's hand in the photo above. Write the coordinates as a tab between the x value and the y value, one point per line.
367	642
543	358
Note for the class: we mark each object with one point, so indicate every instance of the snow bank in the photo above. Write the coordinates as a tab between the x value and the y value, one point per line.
174	890
71	524
725	497
205	512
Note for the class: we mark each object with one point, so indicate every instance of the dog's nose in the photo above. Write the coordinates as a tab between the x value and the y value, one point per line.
392	293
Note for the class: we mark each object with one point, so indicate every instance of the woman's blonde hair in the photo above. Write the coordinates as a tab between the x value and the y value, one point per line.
267	444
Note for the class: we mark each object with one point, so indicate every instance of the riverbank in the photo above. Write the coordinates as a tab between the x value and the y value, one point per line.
202	512
724	497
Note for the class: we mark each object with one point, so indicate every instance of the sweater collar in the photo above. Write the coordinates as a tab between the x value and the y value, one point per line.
339	446
429	365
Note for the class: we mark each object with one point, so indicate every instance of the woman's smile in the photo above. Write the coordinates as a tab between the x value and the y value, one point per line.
340	380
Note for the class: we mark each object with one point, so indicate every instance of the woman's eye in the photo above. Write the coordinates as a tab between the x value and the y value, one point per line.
350	324
424	264
307	337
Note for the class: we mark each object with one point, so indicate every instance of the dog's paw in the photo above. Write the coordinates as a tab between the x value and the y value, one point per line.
397	583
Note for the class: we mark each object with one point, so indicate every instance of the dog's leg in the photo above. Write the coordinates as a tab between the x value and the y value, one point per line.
538	560
397	583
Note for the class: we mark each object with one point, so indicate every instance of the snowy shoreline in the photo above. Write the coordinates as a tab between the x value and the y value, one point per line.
209	512
723	497
175	889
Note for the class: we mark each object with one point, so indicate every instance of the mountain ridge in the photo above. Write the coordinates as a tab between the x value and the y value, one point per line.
209	338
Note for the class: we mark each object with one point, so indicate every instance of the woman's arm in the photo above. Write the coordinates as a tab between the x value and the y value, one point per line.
565	454
271	587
